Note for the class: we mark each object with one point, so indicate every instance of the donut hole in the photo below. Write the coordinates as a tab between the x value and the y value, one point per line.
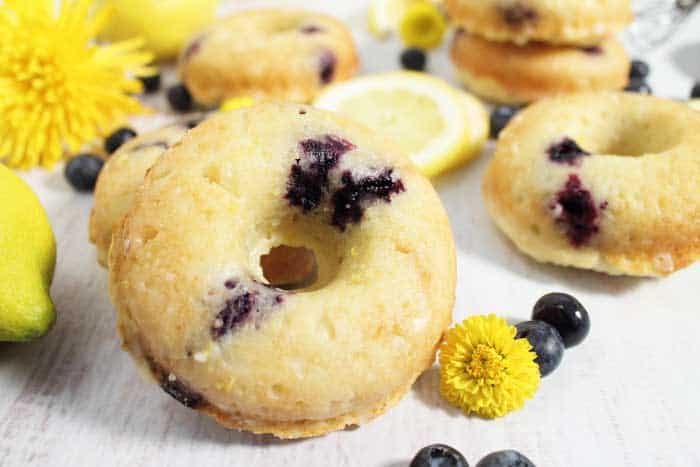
289	267
643	134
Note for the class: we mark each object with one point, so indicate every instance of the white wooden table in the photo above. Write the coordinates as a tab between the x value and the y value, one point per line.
629	396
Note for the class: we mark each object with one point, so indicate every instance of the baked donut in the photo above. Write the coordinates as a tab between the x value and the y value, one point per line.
602	181
554	21
512	74
267	53
197	310
120	178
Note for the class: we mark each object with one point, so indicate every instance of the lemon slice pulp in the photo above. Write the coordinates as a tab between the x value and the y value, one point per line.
438	126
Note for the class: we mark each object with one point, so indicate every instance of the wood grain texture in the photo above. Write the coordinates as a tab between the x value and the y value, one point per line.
626	397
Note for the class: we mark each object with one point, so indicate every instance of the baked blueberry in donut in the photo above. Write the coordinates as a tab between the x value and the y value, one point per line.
566	151
248	300
174	387
575	208
518	14
308	180
350	199
328	62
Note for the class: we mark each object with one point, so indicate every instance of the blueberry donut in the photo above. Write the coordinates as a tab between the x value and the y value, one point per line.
268	53
602	181
555	21
210	304
120	178
512	74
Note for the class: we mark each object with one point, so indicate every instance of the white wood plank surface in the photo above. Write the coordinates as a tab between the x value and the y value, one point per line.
629	396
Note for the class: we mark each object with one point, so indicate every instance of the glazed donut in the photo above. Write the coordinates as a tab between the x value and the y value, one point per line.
198	311
605	181
267	53
508	73
577	22
120	178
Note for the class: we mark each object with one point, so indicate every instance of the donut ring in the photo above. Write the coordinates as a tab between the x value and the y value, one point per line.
120	178
195	308
605	181
512	74
268	53
554	21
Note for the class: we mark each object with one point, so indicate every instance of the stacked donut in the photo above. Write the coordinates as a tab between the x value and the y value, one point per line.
519	51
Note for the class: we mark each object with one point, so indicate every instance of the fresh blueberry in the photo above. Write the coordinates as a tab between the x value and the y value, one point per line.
82	171
151	83
639	86
695	92
500	117
119	137
546	343
414	59
507	458
180	98
566	314
639	70
439	455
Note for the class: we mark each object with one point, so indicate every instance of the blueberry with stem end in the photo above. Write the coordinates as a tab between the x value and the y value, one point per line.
439	455
119	137
180	98
546	343
565	314
508	458
81	171
414	59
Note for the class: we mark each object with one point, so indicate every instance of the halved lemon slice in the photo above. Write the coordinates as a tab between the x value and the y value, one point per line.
438	126
383	16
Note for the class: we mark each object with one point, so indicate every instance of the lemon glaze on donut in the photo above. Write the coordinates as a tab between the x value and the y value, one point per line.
576	22
602	181
195	309
267	53
121	177
512	74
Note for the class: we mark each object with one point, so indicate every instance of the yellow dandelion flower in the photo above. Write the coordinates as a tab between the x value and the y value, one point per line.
59	89
485	370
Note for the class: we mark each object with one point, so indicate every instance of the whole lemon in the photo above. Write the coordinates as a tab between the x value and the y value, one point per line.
165	25
27	261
